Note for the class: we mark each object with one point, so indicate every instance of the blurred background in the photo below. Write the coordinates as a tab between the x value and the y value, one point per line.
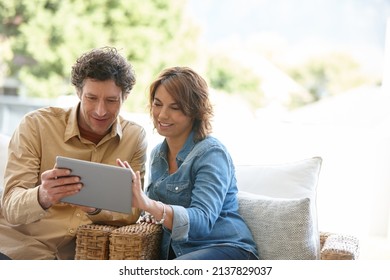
289	80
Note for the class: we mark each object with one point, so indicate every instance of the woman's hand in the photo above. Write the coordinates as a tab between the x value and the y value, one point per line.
140	199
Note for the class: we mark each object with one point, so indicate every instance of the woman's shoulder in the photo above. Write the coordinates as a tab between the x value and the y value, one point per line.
209	150
211	140
210	143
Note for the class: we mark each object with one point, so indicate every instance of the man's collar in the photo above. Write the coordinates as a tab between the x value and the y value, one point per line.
72	127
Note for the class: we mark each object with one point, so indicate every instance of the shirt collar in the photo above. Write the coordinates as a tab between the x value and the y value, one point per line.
72	128
185	150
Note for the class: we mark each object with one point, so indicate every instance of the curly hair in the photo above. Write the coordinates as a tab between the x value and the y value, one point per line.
103	64
191	93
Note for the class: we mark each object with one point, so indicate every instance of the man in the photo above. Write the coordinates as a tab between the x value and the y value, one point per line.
34	223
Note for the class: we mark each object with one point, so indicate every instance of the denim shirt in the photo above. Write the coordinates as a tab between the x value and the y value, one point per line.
203	196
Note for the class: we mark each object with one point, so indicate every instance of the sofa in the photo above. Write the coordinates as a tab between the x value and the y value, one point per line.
277	201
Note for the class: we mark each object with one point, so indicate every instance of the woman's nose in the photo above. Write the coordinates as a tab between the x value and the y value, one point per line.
163	113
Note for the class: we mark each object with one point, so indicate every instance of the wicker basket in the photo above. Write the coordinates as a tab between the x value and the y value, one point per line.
92	242
323	237
340	247
136	242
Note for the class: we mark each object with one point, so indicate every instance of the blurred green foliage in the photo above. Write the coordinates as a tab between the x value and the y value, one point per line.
41	39
46	36
229	76
329	74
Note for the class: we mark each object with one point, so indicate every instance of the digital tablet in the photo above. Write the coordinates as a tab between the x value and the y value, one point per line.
104	186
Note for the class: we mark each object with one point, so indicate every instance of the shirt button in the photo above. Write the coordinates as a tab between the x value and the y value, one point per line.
71	231
176	188
78	215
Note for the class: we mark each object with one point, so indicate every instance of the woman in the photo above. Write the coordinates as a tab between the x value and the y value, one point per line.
192	190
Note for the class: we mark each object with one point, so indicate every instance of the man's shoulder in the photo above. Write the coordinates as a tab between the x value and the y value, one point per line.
47	116
130	124
49	112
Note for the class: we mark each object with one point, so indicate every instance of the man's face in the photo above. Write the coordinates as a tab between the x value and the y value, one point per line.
100	106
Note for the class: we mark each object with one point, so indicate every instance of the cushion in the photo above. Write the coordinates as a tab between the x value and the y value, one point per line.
291	180
283	229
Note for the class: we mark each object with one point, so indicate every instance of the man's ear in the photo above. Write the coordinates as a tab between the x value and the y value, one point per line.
79	93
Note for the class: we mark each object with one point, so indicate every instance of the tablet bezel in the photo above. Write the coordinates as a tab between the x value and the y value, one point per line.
105	186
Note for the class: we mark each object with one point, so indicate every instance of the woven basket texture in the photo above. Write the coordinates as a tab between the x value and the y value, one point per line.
92	242
323	237
136	242
340	247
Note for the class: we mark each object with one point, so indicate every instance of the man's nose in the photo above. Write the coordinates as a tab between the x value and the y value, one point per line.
101	108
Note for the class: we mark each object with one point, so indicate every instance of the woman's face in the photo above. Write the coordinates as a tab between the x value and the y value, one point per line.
168	118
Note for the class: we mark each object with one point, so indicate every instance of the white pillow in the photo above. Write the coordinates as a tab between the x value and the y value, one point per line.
283	229
293	180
